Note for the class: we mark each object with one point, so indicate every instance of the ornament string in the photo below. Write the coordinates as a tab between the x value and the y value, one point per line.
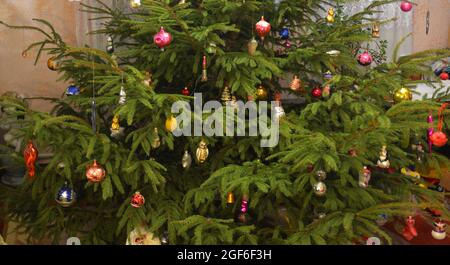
441	116
94	107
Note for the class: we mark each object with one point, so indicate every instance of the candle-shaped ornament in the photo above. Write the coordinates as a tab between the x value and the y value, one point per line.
204	73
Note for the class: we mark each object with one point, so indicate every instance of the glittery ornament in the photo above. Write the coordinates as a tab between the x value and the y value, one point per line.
162	38
137	200
262	28
30	155
95	173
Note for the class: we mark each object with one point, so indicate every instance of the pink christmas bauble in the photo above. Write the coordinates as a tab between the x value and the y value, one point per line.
406	6
262	28
162	38
365	59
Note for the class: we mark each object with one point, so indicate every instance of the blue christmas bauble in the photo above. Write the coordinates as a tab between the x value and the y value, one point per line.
284	33
438	71
66	196
72	90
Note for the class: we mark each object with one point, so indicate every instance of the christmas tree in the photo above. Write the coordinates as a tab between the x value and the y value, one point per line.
348	128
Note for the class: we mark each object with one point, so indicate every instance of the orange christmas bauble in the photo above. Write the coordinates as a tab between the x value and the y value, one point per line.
438	139
95	173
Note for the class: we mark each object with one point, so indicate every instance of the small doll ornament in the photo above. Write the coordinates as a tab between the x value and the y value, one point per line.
202	152
410	231
364	177
383	161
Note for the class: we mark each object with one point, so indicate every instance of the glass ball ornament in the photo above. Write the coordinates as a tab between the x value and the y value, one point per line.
261	93
402	94
284	33
137	200
185	91
406	6
72	90
316	92
66	196
162	38
171	124
95	173
52	64
320	188
365	59
444	76
262	28
438	138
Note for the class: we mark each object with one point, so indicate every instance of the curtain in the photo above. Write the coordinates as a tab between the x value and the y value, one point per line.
393	31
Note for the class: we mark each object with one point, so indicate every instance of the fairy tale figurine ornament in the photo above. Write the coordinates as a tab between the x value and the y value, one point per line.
30	154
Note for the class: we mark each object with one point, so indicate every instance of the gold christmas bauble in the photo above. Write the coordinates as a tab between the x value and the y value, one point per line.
402	94
202	152
171	124
156	140
52	64
261	93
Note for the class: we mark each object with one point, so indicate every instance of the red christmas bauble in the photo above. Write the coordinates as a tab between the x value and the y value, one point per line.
262	28
185	91
95	173
438	139
137	200
406	6
30	155
365	59
316	92
162	38
444	76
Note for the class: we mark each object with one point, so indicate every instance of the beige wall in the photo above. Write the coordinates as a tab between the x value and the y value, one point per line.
439	24
18	73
